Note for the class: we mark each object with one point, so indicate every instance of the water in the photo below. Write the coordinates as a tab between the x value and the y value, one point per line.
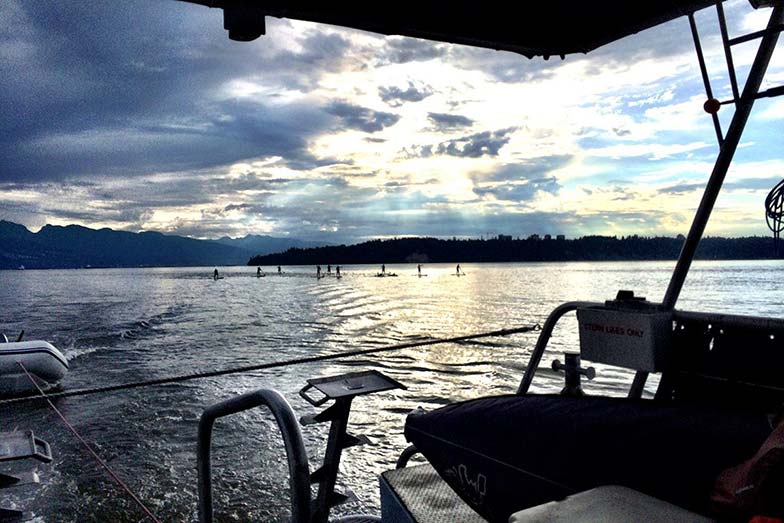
120	325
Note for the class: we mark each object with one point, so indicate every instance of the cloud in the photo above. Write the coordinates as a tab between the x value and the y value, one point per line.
361	118
168	125
395	96
447	121
747	184
525	170
520	192
682	188
486	143
87	91
505	66
403	50
233	131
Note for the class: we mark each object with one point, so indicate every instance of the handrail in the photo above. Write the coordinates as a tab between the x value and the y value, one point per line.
299	471
406	455
544	338
639	381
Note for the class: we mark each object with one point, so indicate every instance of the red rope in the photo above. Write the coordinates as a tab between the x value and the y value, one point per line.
90	450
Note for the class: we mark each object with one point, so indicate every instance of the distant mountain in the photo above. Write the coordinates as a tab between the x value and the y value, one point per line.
587	248
260	245
75	246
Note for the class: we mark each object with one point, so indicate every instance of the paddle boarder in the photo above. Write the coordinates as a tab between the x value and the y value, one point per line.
215	274
419	270
383	269
337	271
458	269
279	271
318	271
258	272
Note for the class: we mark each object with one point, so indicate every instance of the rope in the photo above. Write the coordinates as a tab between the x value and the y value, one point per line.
272	365
89	448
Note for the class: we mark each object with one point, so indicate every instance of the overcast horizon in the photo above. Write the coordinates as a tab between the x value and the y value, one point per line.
144	116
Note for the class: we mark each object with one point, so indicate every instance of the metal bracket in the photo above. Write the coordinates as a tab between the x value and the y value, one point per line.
12	515
18	479
571	368
22	444
342	389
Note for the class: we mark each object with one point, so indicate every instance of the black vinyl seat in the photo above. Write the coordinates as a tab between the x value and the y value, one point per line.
506	453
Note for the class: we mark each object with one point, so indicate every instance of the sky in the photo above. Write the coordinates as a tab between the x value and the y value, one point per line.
143	115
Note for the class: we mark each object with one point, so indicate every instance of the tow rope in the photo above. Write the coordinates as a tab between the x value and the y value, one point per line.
90	450
271	365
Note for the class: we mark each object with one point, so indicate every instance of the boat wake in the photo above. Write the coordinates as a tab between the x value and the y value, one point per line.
73	352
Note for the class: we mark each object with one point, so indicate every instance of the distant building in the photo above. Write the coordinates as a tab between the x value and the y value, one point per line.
560	237
548	237
505	237
534	237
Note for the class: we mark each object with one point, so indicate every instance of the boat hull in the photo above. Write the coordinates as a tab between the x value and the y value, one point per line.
40	358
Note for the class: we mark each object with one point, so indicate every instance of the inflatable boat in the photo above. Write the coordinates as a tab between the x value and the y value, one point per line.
40	358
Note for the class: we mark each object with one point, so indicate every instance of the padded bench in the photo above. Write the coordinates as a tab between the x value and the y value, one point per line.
504	454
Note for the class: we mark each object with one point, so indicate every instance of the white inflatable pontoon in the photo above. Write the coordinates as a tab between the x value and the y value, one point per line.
40	358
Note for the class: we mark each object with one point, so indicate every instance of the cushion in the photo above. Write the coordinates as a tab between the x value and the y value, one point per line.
503	454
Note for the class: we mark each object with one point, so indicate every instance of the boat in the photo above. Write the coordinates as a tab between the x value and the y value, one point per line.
568	457
526	457
40	358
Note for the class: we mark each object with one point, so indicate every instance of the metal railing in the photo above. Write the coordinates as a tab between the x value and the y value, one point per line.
544	339
751	322
299	470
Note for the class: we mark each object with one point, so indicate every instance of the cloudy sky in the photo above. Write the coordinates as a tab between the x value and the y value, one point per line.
143	115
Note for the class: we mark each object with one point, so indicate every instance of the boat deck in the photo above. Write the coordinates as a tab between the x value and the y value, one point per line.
417	494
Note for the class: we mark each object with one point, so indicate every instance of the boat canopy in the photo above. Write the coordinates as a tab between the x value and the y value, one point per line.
549	28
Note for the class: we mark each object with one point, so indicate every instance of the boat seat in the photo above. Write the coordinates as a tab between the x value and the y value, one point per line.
417	494
607	504
504	454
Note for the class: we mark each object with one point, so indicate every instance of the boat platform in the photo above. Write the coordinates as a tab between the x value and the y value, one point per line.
417	494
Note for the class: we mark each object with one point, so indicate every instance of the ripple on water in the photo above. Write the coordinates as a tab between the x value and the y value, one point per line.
139	324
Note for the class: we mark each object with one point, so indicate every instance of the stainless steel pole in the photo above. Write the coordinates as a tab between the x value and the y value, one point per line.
727	151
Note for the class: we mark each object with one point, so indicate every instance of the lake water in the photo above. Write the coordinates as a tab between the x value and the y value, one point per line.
121	325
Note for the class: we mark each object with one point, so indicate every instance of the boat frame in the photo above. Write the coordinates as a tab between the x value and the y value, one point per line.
246	19
686	325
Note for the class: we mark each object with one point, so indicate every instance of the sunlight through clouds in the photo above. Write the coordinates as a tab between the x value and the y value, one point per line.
325	133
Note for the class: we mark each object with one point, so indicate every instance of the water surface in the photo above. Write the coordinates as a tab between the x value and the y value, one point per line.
121	325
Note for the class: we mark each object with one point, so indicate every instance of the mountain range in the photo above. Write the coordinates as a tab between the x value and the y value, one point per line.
74	246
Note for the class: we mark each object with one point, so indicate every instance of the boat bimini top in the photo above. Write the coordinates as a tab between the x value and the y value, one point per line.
552	28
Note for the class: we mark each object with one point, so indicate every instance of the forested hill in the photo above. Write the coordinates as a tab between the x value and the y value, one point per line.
588	248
